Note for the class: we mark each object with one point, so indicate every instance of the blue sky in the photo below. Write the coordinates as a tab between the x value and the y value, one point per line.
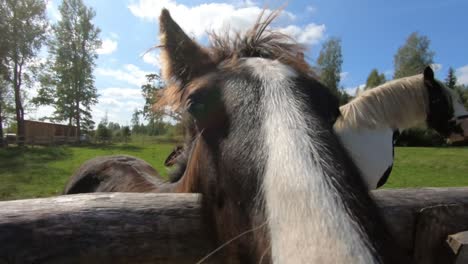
371	32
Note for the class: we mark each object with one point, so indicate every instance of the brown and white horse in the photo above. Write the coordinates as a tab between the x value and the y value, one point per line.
277	185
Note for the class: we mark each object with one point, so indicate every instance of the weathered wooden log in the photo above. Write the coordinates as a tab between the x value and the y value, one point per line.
157	228
458	243
401	209
433	226
103	228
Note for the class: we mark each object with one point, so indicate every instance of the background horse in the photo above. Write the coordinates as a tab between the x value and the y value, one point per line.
369	123
122	173
277	185
118	173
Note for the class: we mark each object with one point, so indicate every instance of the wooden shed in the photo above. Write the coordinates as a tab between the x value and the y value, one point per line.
36	132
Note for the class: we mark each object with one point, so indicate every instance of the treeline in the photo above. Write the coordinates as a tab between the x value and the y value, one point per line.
65	76
410	59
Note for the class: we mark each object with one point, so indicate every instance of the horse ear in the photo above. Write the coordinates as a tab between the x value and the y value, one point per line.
428	73
182	58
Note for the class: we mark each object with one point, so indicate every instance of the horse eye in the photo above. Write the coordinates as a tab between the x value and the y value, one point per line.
195	108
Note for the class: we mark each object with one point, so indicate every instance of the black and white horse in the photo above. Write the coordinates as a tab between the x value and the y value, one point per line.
277	184
369	123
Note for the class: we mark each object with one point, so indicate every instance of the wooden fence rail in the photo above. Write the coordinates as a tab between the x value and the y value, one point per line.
167	228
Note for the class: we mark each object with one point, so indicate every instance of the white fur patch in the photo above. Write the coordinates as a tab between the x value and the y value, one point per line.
307	222
371	151
458	107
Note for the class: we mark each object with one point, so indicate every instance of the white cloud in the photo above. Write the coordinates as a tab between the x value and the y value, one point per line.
129	73
114	35
120	101
119	104
108	46
352	90
152	58
344	75
462	75
311	9
36	113
436	67
197	20
389	74
311	34
127	93
52	11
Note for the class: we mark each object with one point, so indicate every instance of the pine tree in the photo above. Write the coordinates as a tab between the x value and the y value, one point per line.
69	84
413	56
451	80
374	79
23	30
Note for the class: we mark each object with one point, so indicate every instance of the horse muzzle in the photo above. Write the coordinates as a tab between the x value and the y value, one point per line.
463	134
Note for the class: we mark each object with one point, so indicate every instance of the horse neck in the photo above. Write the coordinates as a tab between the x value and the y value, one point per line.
194	169
398	104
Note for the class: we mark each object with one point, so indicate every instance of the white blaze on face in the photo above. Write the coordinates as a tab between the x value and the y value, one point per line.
307	223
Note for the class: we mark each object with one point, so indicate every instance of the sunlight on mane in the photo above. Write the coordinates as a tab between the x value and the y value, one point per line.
400	103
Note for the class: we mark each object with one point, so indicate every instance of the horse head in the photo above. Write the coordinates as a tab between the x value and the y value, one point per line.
446	114
277	185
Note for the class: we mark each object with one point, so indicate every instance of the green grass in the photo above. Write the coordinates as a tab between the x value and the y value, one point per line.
429	167
41	172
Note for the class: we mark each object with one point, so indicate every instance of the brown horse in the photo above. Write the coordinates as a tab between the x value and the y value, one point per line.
277	185
122	173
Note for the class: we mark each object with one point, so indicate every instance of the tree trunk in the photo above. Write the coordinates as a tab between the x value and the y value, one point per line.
78	121
2	144
18	104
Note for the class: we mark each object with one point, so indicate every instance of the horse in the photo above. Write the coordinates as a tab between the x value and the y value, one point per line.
124	173
370	124
278	186
264	154
117	173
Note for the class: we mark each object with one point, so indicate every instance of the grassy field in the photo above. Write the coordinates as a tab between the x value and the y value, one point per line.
40	172
429	167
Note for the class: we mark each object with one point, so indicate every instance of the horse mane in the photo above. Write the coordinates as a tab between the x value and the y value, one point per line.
260	40
400	103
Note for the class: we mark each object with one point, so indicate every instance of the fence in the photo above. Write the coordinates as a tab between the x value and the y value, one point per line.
168	228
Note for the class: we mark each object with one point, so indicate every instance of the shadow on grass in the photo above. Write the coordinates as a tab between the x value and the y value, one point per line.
19	158
112	147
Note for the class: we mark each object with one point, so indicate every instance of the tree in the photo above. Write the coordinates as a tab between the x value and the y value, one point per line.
150	92
135	121
451	80
23	33
69	85
413	56
126	133
3	90
374	79
329	63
